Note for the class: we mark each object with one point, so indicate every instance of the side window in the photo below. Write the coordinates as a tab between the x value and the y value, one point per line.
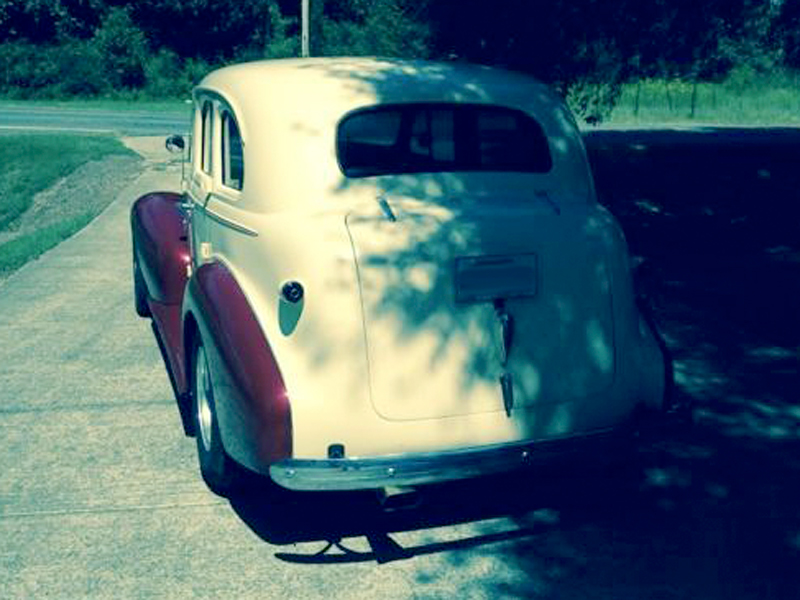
205	143
232	153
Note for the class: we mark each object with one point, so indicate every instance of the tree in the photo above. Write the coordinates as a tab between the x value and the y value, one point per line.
211	30
586	46
123	49
787	30
391	28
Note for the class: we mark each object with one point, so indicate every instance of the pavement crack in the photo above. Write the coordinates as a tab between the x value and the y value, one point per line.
106	510
21	410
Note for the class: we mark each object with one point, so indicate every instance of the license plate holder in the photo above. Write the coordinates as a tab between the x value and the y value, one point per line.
488	278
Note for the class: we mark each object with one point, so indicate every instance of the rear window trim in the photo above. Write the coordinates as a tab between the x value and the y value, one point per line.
463	108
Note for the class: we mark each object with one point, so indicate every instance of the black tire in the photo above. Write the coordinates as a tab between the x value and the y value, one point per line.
139	290
218	470
674	402
647	312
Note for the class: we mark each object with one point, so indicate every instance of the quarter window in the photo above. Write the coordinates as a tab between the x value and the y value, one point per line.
232	153
207	129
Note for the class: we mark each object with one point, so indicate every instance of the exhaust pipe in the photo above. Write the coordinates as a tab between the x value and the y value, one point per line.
393	498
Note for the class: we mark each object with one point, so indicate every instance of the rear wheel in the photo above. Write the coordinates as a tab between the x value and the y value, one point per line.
675	404
216	467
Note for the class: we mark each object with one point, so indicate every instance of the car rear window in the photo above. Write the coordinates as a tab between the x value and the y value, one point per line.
414	138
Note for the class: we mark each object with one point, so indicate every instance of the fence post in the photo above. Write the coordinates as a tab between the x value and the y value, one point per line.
669	97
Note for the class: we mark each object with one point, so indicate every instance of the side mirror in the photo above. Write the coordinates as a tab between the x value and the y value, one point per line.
175	143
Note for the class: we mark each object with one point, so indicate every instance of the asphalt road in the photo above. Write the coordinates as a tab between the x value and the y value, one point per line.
25	117
100	495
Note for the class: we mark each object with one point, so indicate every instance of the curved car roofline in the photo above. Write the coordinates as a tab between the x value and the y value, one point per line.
387	79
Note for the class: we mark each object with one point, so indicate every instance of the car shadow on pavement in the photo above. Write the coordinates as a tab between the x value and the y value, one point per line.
710	512
707	517
713	513
336	518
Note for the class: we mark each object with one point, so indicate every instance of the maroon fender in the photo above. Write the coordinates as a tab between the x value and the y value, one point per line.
169	335
251	401
161	243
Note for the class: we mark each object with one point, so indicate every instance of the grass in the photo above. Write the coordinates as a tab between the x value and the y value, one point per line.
175	106
26	247
31	163
745	98
741	100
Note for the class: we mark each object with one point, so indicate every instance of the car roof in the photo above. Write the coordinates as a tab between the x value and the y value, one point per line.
288	111
350	82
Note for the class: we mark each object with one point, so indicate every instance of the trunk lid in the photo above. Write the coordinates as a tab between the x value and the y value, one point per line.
460	302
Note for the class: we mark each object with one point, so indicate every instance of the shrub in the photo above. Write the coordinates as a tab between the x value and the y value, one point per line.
77	62
25	69
593	101
744	79
279	41
168	75
383	28
595	91
164	75
123	49
31	71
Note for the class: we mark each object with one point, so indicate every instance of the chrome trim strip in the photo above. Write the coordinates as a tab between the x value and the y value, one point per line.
420	468
230	223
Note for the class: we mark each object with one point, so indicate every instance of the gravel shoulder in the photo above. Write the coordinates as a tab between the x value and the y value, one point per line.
89	189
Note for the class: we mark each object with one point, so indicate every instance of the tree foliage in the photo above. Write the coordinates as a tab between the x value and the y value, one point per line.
377	27
582	46
788	32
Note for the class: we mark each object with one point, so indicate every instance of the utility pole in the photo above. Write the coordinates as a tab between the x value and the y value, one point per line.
304	28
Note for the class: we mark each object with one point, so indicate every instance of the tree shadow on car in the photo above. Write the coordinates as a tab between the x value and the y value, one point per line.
711	513
715	215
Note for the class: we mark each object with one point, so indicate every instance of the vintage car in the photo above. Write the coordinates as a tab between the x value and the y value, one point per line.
385	273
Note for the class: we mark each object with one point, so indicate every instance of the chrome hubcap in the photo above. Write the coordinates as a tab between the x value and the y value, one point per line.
203	390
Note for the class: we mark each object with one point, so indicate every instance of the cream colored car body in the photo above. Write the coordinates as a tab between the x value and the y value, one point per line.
379	356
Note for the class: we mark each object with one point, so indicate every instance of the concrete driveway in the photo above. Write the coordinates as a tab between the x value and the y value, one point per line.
100	495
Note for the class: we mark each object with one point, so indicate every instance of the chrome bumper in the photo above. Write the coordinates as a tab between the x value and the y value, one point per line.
421	468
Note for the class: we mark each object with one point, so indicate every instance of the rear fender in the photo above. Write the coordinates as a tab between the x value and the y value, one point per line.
252	406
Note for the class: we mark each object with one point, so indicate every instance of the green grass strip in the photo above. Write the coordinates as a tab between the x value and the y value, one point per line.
178	106
22	249
762	102
31	163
